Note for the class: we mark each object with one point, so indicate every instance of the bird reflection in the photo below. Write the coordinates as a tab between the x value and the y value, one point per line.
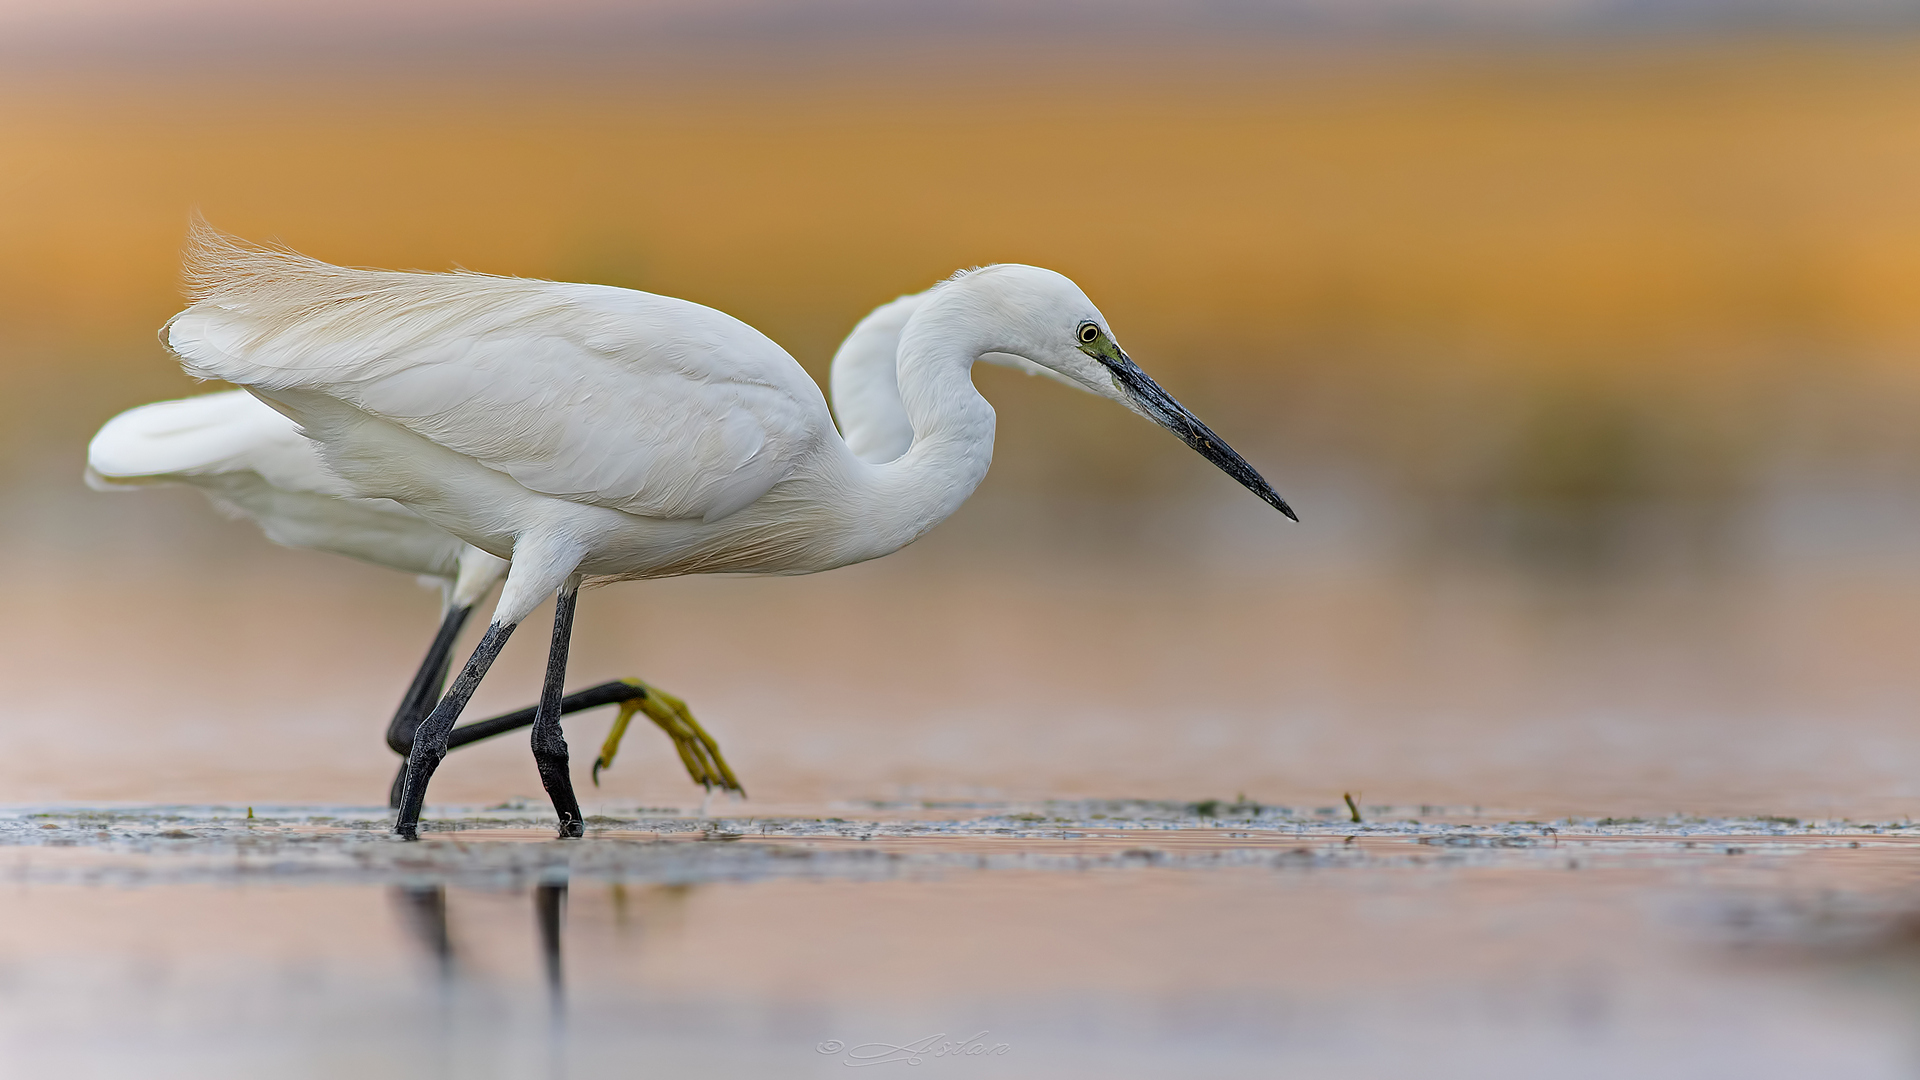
550	911
423	912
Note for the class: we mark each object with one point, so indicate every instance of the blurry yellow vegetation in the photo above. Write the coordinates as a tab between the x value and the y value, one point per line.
1558	204
1599	214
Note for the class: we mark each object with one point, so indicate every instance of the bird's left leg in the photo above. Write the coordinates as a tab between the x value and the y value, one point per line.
549	745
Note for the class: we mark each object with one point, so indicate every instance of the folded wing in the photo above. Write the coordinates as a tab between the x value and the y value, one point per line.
254	463
213	434
611	397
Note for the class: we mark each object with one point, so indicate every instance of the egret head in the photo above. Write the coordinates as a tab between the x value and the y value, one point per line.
1047	319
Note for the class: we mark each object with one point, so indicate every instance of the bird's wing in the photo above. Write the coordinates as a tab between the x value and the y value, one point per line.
210	435
254	464
605	396
376	531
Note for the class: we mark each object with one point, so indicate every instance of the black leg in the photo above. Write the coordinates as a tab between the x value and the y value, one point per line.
607	693
422	695
430	739
576	702
397	789
549	745
427	682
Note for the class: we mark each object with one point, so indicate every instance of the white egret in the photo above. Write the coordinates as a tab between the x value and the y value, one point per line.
591	431
252	462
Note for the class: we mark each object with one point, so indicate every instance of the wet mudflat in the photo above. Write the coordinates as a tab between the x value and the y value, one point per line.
1044	940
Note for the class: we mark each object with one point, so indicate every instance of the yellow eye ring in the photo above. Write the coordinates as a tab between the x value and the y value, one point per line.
1089	333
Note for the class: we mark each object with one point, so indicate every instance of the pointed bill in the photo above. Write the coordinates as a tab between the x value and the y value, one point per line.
1160	407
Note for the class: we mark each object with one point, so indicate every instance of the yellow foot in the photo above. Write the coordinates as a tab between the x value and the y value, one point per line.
698	752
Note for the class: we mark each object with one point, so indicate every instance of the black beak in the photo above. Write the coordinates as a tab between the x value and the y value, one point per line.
1159	406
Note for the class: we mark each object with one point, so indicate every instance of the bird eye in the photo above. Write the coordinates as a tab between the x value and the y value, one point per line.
1089	333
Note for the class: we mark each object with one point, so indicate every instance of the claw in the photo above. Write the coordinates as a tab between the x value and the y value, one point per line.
620	722
699	754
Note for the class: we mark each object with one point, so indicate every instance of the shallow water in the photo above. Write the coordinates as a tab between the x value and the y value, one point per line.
1042	941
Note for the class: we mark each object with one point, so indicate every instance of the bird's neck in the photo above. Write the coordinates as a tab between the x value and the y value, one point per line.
866	386
899	501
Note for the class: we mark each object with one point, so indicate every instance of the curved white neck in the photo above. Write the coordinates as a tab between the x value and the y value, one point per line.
865	386
895	503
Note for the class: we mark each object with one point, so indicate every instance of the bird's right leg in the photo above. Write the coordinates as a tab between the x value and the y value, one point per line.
549	745
430	739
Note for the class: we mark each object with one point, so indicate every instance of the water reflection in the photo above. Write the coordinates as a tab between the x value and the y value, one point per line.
423	913
550	912
1384	957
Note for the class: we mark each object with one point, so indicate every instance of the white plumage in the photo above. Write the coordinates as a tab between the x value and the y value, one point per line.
252	462
529	378
584	430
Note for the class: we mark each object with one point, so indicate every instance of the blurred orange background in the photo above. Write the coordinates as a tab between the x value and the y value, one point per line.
1403	259
1590	360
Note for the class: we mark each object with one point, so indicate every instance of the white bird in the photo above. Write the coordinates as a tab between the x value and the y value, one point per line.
591	431
253	463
